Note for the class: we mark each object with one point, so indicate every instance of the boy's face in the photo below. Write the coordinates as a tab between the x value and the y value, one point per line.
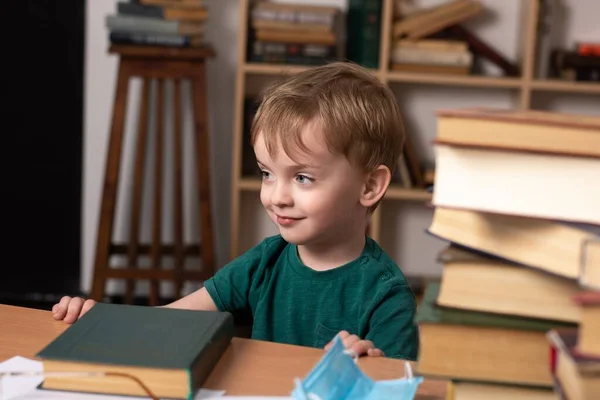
314	199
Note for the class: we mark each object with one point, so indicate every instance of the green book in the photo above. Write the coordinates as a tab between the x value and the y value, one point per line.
171	351
363	27
429	312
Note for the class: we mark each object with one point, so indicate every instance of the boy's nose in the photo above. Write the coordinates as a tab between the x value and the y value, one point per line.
281	196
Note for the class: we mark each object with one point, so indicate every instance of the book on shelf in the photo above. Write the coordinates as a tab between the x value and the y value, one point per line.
424	56
291	53
304	27
431	44
440	27
141	24
574	66
171	351
363	29
156	39
288	33
401	175
482	347
431	69
168	23
295	13
167	12
436	56
289	36
490	170
575	376
424	22
413	162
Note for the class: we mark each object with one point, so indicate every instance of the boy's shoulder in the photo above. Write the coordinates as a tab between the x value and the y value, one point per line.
382	266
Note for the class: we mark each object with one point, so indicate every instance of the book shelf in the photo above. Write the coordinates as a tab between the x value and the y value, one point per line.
522	87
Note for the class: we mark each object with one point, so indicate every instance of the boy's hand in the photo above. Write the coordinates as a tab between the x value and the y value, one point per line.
360	347
70	309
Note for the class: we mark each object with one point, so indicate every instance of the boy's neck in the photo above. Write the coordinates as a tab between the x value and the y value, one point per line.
329	255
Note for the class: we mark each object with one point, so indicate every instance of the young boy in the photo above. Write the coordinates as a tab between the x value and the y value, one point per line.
326	141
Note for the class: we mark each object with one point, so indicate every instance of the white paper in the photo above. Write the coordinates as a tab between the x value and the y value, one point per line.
25	388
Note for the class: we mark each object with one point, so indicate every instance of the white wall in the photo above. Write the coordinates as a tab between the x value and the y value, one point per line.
404	223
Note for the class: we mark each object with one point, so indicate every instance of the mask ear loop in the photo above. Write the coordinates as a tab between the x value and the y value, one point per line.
408	371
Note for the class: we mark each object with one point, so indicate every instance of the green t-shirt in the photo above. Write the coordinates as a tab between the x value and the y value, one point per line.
292	303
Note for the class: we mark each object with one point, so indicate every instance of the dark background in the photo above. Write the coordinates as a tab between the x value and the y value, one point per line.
42	137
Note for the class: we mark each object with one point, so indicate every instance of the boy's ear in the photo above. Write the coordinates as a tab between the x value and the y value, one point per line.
376	183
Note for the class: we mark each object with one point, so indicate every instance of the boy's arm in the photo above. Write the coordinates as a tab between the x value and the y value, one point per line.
198	300
228	289
392	328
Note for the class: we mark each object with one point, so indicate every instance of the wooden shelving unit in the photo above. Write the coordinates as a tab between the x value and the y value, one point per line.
523	86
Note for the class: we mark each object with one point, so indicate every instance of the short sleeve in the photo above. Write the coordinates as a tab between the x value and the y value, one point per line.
392	328
230	287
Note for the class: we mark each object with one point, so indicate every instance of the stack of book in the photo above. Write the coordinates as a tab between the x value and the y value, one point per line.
513	199
412	52
285	33
579	64
173	23
432	40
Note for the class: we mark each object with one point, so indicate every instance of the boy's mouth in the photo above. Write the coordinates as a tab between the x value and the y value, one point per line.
285	220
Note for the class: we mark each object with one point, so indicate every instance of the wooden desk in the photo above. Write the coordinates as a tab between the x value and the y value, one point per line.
248	367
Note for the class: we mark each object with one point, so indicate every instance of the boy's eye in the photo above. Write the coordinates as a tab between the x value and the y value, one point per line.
303	179
265	174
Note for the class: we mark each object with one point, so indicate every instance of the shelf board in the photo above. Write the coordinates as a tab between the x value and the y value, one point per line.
455	80
550	85
281	69
273	69
394	192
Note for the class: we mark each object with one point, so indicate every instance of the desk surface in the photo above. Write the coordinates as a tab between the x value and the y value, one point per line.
248	367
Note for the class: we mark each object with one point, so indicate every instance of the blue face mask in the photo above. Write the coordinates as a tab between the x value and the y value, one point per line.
337	377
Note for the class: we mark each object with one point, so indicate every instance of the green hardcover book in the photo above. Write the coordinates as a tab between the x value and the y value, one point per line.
363	26
170	351
429	312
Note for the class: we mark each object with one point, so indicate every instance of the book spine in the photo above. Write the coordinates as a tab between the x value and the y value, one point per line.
587	74
432	44
561	59
417	56
364	28
287	59
140	10
126	23
292	17
149	39
292	49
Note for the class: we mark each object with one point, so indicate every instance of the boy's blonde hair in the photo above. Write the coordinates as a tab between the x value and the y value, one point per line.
358	115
